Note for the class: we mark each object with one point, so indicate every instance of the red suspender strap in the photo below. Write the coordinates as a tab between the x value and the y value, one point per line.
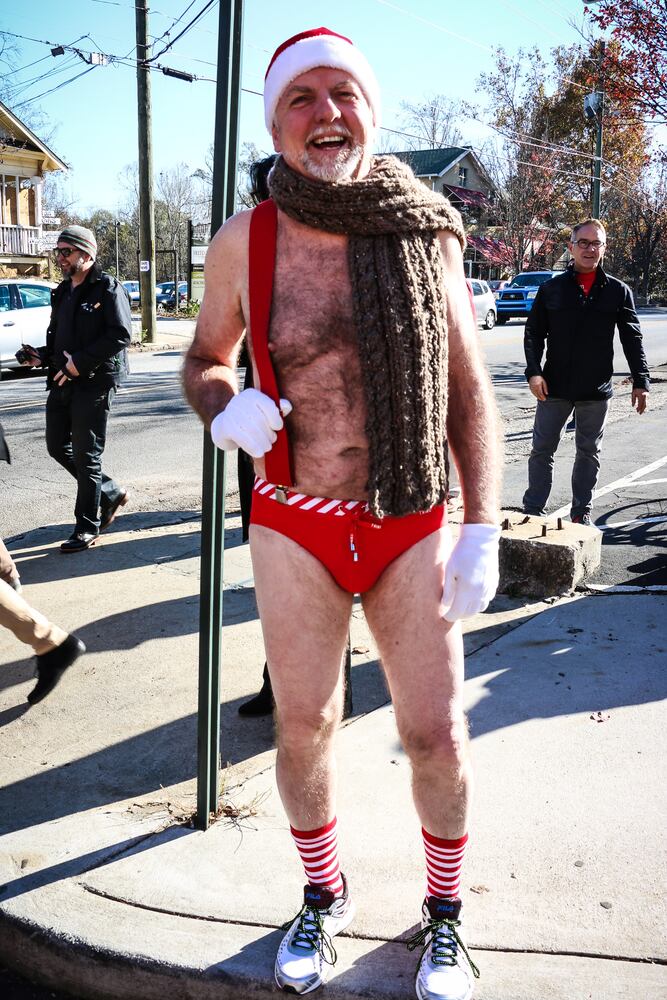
262	260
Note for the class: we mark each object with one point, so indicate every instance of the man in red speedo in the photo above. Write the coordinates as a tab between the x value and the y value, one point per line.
350	286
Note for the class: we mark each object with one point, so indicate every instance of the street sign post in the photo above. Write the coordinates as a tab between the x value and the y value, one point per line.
225	154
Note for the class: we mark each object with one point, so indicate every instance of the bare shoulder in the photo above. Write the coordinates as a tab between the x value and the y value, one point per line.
450	247
221	320
229	246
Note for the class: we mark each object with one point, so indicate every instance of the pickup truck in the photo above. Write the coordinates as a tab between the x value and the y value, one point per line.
517	298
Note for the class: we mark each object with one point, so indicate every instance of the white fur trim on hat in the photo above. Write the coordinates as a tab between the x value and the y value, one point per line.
310	50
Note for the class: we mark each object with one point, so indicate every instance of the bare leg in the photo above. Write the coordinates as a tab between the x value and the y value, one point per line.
27	624
422	657
305	616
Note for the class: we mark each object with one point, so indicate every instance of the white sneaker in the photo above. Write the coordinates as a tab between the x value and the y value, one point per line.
306	956
445	971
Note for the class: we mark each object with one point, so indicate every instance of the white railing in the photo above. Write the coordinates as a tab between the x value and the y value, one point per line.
19	240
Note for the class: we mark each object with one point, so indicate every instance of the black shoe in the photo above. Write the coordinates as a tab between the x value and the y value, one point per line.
79	541
582	519
262	703
109	514
52	665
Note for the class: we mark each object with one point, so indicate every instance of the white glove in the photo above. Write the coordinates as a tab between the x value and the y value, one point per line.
249	421
471	574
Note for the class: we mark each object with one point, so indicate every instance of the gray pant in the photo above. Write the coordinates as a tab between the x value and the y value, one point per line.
550	419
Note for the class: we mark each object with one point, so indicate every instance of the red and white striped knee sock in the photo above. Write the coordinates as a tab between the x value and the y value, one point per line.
318	850
444	860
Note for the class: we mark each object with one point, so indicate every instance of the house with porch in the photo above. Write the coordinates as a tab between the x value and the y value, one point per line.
458	173
24	163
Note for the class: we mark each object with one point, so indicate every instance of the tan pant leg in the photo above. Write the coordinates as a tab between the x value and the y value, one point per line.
28	625
8	570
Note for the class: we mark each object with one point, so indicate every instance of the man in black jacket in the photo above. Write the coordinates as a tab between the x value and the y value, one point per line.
85	352
576	314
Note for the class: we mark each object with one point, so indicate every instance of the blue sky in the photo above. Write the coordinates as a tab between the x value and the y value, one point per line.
417	47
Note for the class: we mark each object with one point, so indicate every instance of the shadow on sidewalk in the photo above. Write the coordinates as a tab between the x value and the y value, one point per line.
87	862
40	560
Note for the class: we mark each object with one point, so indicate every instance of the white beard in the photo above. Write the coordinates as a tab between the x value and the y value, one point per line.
341	168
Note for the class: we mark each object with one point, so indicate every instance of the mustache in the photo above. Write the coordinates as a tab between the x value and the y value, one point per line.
327	130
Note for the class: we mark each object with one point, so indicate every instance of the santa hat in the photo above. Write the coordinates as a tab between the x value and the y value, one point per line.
310	50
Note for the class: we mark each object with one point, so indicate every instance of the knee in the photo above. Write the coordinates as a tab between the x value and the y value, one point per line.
300	728
55	449
444	745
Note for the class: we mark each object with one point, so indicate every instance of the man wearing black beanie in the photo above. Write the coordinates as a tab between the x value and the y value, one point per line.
85	353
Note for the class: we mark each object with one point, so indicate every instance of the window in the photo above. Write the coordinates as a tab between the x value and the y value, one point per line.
463	176
477	288
5	299
33	296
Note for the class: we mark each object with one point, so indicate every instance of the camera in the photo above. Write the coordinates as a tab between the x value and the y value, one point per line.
24	356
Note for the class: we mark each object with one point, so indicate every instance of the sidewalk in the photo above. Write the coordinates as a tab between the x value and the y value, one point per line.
107	891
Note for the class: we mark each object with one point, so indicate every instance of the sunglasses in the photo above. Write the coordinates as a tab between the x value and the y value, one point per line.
63	252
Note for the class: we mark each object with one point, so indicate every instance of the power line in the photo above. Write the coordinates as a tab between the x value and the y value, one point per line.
205	8
22	104
438	27
175	21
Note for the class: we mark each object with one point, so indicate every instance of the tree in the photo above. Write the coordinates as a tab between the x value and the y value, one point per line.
433	123
32	116
637	231
542	159
528	206
635	61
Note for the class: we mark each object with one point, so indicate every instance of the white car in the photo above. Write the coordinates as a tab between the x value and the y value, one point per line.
133	289
485	303
25	311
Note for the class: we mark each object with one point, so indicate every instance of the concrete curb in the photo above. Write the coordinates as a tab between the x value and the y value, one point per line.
239	958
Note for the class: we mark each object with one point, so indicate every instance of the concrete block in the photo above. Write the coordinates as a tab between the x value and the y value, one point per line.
535	563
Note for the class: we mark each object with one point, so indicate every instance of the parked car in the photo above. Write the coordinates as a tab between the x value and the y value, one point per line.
25	310
485	304
517	298
133	289
496	285
165	293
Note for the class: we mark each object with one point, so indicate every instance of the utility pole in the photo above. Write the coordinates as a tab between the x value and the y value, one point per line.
146	209
594	110
115	226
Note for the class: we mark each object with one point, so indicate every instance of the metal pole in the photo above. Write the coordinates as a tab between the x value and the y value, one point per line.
597	162
213	485
116	225
146	208
189	262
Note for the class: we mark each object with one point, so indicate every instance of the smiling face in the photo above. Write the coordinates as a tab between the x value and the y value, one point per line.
323	126
75	260
586	259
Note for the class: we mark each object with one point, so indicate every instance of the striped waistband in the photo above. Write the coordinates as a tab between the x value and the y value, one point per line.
301	501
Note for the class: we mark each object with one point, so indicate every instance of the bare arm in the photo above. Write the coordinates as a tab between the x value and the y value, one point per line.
473	426
209	370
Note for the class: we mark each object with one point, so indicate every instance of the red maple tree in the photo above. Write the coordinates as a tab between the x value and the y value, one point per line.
635	61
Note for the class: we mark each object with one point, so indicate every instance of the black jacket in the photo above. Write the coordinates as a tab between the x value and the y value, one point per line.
102	331
579	335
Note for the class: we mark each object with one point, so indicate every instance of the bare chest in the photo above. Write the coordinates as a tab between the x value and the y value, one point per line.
311	317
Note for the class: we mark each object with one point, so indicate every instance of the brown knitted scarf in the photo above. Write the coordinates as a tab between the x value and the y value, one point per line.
398	294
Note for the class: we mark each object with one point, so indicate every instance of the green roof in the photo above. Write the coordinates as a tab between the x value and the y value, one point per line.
431	162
